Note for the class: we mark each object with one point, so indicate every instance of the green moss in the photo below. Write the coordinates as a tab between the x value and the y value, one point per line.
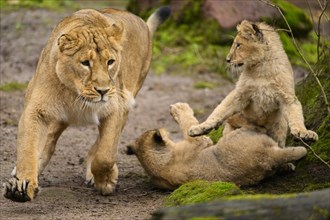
216	134
13	86
298	20
204	85
200	191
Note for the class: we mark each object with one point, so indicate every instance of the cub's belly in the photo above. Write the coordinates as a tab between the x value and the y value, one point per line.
262	109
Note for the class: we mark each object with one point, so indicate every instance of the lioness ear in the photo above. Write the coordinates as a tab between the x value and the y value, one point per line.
115	31
68	44
158	138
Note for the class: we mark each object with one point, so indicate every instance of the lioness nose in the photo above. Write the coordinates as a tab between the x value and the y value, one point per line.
101	91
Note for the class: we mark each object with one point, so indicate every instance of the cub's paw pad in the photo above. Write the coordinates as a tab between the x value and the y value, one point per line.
17	190
308	135
198	130
179	109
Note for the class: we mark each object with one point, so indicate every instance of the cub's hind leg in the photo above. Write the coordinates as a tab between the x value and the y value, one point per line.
184	116
284	157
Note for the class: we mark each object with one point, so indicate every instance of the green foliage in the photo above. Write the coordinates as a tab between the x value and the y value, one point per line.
315	111
48	4
215	135
308	48
204	85
300	23
13	86
201	191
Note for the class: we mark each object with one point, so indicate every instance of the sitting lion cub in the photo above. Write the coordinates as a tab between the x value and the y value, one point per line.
264	94
244	162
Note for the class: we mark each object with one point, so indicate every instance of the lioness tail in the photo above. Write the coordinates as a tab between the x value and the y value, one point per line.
157	18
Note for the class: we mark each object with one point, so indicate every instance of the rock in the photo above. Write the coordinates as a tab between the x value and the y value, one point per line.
230	13
311	205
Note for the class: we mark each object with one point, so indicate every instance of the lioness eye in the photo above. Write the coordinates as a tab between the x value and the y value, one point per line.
85	63
110	62
238	45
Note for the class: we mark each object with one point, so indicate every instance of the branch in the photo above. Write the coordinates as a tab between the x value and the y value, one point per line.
298	49
314	152
319	30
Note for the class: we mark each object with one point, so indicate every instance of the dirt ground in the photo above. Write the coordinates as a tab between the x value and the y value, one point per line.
63	193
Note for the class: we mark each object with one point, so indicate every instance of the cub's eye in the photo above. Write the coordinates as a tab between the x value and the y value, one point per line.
85	63
110	62
238	45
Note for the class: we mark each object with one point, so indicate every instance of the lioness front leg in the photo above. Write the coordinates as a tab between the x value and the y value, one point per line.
103	166
24	185
229	106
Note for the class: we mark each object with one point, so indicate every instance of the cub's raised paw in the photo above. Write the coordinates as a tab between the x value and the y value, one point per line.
306	135
179	109
20	190
198	130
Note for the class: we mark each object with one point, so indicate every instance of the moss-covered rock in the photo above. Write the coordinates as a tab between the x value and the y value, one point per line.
201	191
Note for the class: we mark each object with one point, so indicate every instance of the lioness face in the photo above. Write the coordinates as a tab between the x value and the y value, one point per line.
89	64
248	47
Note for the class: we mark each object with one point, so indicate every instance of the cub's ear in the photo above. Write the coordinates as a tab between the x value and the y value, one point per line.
250	31
115	31
257	32
158	138
130	150
68	44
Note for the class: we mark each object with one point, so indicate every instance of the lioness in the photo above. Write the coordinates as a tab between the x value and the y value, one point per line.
264	94
91	69
243	156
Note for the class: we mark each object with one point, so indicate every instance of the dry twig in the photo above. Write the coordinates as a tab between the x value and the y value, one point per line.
307	145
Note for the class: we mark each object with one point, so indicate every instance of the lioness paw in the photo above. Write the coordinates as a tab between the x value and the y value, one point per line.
20	190
106	184
89	181
307	135
178	110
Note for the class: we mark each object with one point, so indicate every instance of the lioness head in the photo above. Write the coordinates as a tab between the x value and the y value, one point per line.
249	45
89	60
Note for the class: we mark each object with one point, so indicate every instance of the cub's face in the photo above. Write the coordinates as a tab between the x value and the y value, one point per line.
150	142
248	47
88	63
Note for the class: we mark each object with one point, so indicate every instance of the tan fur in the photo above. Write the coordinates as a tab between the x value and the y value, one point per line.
243	156
264	94
91	69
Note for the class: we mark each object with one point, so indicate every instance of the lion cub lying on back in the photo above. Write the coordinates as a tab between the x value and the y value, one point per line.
245	162
264	94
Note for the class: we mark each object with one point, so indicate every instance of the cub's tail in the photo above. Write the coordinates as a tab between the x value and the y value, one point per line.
157	18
